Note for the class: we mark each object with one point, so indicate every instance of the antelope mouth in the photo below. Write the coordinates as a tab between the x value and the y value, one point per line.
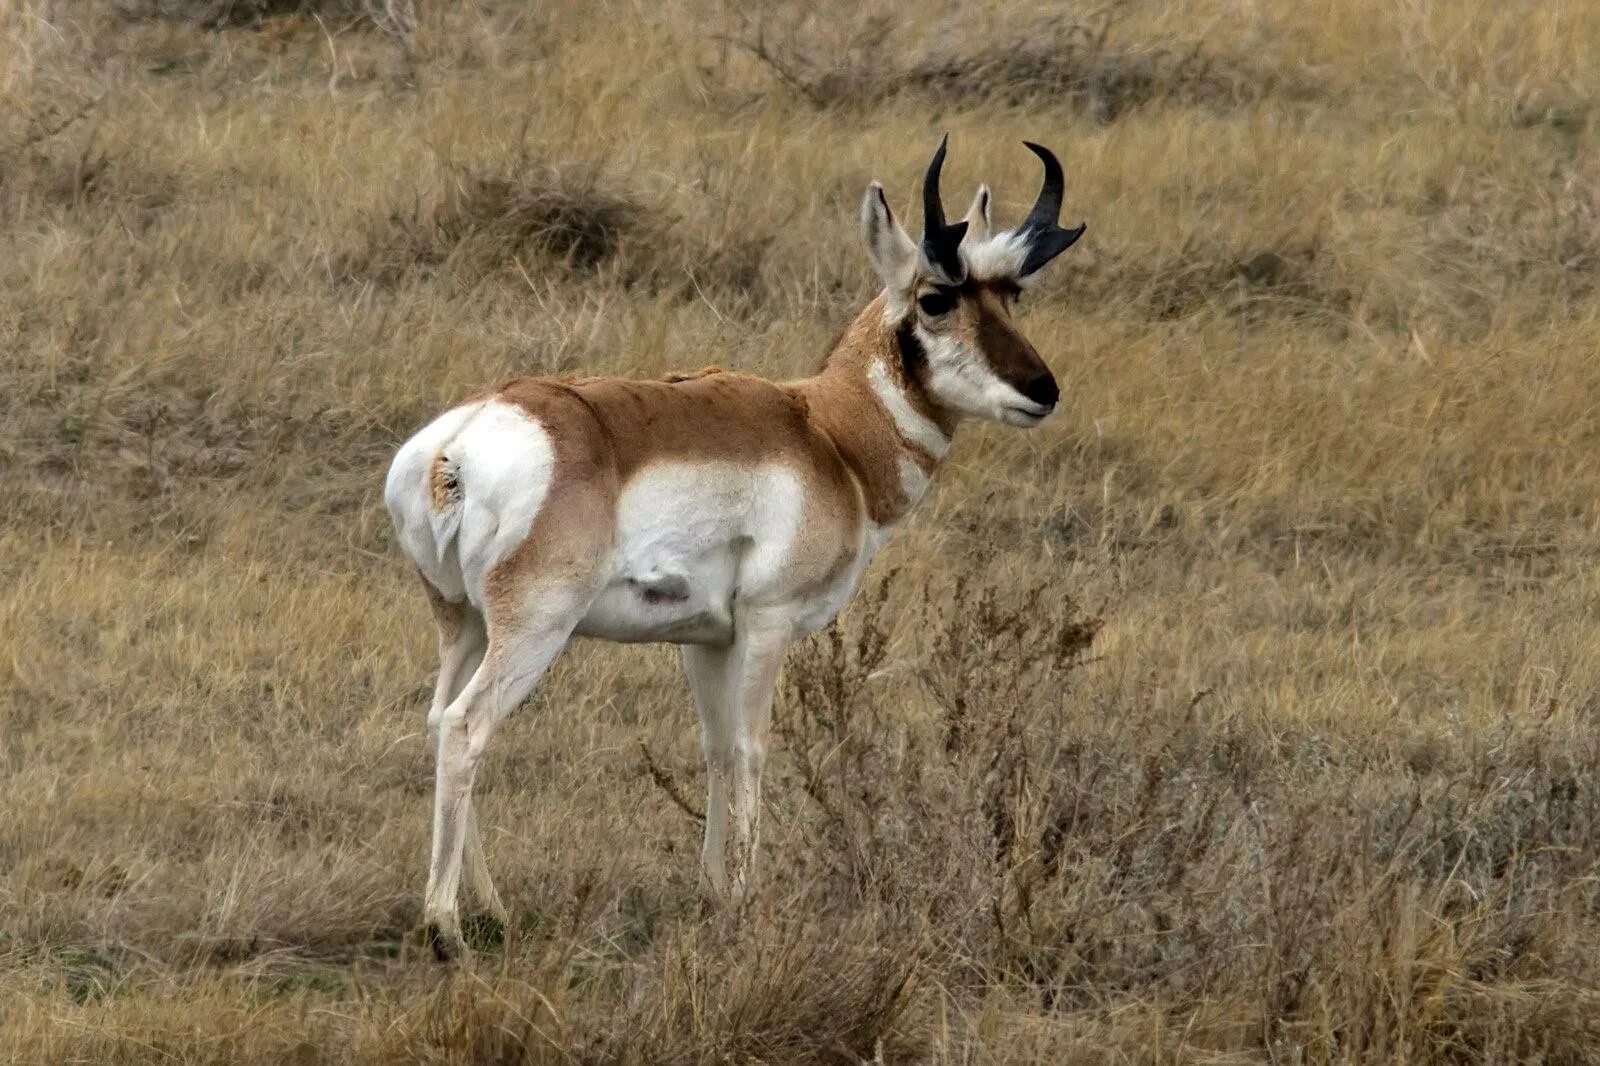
1026	417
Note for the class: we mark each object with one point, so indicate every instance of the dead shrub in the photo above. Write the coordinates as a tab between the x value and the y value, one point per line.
78	178
894	789
486	221
1059	61
1090	853
1073	63
218	14
1284	276
523	219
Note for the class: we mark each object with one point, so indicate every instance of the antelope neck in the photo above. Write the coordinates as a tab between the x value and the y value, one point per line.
870	401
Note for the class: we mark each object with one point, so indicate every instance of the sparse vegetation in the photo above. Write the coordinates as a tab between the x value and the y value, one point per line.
1245	712
1060	62
487	222
253	14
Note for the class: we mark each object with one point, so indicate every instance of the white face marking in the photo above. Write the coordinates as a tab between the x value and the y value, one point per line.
914	427
961	379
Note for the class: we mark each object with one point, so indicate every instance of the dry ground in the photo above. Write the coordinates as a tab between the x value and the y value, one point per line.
1323	788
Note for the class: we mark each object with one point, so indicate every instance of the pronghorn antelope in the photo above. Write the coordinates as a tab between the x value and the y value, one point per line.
722	512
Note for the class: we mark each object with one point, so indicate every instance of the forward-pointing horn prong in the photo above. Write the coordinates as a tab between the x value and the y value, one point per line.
1041	229
941	243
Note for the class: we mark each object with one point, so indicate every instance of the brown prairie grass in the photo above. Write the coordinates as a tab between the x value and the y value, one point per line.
1245	712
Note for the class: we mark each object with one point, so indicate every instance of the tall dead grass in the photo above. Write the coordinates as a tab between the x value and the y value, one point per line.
1244	712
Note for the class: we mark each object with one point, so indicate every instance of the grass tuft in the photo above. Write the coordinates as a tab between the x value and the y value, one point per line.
1058	62
1245	711
486	223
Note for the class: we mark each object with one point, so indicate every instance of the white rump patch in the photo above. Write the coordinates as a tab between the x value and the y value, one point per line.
913	425
501	460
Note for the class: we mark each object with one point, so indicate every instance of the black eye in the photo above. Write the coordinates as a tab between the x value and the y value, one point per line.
936	303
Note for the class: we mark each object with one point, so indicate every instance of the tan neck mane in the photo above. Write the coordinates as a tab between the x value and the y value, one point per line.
872	405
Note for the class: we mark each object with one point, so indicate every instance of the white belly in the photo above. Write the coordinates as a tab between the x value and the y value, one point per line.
693	604
692	540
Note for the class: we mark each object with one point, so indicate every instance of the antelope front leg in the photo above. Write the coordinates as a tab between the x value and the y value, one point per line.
752	676
475	871
707	670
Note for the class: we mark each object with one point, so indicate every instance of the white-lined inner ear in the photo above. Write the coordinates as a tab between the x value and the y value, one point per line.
977	218
894	256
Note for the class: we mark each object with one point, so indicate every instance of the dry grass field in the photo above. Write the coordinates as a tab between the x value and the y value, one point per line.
1247	711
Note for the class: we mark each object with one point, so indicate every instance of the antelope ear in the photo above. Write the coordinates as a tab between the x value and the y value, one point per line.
978	224
892	252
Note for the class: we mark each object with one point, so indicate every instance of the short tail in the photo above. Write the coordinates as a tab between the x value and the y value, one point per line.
444	504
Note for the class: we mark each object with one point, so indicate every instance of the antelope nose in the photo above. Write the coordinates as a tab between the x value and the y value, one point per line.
1043	390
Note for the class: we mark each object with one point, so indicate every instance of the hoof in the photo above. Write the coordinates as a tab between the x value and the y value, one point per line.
713	898
446	944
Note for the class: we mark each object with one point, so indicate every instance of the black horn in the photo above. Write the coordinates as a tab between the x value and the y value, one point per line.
941	244
1045	237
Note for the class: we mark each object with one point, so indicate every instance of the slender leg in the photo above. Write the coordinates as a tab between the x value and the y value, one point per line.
462	642
733	691
518	654
707	669
475	871
757	657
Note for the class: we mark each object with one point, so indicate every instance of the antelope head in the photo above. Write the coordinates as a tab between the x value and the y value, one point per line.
951	299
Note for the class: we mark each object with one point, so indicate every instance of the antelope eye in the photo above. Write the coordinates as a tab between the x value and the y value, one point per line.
936	303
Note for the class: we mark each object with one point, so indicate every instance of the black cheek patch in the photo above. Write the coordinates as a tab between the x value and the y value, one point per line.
913	357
